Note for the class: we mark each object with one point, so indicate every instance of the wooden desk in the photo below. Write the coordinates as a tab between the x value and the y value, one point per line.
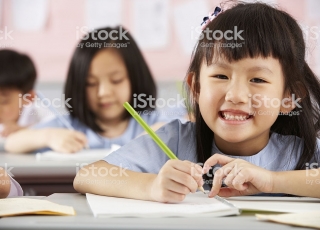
41	178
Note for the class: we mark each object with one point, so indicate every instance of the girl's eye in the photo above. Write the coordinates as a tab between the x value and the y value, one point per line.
117	81
224	77
91	84
257	80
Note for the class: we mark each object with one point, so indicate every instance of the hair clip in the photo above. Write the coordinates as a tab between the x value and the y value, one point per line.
208	19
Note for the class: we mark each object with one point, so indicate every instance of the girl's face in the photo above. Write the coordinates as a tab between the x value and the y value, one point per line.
239	100
108	86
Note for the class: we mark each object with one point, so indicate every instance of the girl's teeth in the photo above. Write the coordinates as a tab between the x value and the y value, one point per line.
231	117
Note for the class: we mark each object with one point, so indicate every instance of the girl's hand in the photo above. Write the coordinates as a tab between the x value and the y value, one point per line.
10	128
241	177
175	180
66	141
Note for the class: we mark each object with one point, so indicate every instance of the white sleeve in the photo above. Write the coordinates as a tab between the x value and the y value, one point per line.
15	188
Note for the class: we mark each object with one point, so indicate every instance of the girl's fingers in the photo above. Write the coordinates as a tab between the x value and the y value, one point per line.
217	178
177	188
172	197
239	181
185	180
229	192
229	179
216	159
192	169
81	137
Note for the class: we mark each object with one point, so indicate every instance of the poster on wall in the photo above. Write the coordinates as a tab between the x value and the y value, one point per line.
151	23
29	15
102	13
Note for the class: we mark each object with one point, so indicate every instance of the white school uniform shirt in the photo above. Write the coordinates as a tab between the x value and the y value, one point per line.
30	115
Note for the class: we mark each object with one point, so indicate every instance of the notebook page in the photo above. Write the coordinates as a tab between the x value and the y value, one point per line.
273	198
306	219
20	206
193	204
277	206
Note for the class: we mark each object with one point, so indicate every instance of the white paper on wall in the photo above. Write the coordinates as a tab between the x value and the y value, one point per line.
313	7
270	2
187	19
151	23
102	13
1	13
29	15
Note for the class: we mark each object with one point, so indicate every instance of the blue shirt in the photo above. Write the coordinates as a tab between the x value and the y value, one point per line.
97	141
143	154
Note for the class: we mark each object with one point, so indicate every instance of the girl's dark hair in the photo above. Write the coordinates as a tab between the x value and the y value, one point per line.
119	39
16	71
266	32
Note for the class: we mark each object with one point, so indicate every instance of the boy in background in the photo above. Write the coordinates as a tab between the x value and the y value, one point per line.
17	80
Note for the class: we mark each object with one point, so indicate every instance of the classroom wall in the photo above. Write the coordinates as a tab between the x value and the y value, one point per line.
51	44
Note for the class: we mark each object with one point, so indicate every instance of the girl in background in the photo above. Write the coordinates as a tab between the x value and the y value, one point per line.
105	71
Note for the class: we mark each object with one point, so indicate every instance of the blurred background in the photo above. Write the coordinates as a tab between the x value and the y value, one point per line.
48	30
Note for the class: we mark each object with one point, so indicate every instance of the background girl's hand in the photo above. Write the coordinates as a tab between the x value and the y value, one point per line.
10	128
66	141
175	180
241	177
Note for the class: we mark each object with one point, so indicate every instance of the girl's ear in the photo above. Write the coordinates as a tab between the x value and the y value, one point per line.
29	96
191	83
290	101
287	104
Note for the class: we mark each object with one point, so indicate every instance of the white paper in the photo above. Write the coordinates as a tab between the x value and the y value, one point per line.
102	13
313	7
29	15
84	155
306	219
270	2
276	206
151	23
187	19
273	198
196	204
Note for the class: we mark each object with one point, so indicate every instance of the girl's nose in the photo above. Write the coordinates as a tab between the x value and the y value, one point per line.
104	89
237	93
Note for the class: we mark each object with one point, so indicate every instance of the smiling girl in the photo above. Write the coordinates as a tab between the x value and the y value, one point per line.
242	101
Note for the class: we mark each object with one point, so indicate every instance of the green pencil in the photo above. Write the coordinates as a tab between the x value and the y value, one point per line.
153	135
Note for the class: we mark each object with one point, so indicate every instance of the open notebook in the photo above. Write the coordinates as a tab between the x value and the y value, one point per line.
195	205
27	206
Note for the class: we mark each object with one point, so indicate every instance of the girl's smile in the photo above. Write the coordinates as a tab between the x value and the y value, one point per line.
234	117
